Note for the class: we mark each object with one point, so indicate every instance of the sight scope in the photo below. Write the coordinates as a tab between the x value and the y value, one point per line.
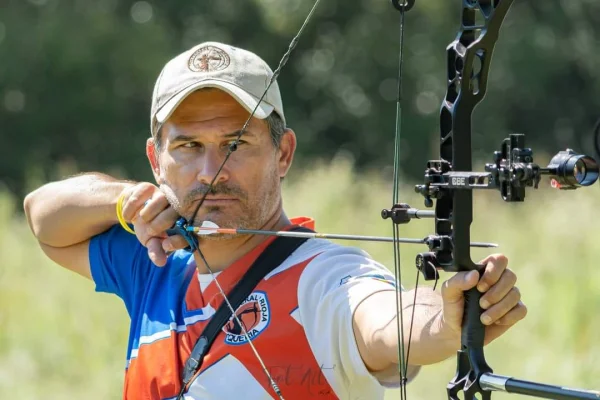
571	170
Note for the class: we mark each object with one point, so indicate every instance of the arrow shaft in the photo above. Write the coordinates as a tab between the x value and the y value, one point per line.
230	231
329	236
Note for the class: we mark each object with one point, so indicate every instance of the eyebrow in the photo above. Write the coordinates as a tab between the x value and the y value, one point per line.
188	138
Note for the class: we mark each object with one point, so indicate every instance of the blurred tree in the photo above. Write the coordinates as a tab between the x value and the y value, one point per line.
76	77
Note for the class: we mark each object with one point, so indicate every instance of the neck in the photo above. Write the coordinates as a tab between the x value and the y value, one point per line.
219	254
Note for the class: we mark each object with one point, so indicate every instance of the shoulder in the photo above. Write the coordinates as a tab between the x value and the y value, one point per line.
333	283
335	265
328	266
320	253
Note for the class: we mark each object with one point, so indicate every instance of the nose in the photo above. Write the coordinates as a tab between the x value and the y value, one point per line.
210	165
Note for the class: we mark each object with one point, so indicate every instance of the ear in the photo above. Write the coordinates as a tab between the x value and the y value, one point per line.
152	155
287	148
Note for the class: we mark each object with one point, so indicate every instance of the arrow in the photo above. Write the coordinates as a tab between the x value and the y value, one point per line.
210	228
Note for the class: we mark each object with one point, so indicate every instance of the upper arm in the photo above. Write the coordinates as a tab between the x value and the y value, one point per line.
331	289
75	258
115	260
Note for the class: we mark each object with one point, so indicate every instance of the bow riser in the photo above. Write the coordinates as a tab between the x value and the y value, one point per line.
469	58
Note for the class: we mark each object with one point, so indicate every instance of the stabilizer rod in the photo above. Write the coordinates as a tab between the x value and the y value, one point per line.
507	384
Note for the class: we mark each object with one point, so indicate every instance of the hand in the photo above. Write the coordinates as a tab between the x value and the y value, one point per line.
146	206
501	302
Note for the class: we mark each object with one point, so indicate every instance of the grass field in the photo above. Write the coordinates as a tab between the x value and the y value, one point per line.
60	340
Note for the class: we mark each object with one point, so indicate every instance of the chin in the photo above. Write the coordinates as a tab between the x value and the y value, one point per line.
215	215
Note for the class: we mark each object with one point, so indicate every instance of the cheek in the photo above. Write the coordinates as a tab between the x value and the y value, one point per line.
178	174
267	179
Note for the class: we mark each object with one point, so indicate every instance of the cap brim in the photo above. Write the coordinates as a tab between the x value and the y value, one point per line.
247	100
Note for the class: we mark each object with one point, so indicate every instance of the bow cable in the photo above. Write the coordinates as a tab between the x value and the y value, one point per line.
232	148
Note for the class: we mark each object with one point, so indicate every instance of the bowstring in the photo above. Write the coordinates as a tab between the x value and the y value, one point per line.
402	361
402	356
231	149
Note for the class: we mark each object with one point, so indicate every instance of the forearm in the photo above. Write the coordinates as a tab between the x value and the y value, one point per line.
376	330
70	211
430	342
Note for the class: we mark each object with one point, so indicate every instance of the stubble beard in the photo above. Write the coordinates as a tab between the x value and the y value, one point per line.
251	213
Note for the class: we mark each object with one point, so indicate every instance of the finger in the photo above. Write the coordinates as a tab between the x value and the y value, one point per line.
140	228
499	290
173	243
513	316
135	201
503	307
453	288
162	222
156	252
153	206
494	266
505	323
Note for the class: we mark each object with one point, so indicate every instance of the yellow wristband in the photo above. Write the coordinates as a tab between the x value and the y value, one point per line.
120	215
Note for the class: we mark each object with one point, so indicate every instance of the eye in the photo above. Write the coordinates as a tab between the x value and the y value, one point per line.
190	145
240	142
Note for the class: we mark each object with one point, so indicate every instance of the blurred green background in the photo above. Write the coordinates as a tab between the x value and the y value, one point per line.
76	78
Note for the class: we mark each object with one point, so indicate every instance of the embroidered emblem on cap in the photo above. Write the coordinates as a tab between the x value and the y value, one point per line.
208	59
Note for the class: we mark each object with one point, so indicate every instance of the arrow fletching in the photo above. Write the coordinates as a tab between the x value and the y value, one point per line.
207	228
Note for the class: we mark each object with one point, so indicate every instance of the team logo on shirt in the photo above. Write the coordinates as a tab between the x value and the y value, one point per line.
254	314
377	277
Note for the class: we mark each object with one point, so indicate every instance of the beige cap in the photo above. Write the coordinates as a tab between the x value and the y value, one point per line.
242	74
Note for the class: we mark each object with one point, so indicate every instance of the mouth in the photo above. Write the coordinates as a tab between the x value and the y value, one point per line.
217	199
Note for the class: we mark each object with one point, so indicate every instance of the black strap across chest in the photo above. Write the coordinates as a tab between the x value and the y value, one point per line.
275	254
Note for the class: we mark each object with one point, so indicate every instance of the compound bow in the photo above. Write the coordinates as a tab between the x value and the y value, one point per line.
449	184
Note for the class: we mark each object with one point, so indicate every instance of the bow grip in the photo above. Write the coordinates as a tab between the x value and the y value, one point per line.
471	364
473	330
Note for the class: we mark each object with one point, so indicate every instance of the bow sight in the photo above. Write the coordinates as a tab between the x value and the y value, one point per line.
511	172
449	182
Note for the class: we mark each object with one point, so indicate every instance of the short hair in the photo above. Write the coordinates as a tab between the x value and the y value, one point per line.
276	128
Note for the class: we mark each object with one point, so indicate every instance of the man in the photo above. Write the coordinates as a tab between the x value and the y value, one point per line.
323	322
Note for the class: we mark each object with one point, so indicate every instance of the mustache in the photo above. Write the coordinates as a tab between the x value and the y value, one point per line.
220	188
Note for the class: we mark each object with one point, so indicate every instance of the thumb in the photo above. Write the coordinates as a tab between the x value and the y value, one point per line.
453	295
453	288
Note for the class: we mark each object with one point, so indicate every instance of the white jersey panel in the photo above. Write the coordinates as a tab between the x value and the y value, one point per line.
330	289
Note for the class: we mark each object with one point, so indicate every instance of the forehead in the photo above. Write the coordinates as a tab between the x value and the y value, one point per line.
212	108
210	111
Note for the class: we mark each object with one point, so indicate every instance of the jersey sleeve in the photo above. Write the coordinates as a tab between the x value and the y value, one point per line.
330	289
119	263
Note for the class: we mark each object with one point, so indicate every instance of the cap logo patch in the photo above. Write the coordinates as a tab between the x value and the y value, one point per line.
208	59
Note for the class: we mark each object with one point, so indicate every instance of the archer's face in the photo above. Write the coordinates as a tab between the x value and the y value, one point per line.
194	143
